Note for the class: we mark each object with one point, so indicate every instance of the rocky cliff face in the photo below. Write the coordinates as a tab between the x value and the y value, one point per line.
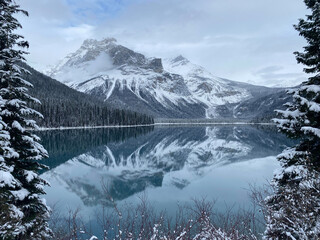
169	88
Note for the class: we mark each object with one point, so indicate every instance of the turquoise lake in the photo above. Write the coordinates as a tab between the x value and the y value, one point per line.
169	165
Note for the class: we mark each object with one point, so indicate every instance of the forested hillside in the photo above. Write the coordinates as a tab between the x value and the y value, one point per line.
63	106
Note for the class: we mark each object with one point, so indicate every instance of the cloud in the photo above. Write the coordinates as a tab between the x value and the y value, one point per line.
277	76
231	38
269	69
73	33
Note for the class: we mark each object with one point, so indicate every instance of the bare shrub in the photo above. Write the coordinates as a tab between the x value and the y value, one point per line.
141	221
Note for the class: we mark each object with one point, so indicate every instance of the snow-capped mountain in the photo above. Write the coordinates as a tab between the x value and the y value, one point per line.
170	88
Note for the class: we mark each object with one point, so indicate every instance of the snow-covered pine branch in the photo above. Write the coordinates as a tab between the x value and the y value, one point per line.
293	211
23	213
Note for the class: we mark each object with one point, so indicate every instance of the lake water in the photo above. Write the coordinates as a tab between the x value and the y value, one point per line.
171	165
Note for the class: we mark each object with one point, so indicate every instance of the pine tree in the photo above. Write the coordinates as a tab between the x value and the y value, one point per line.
23	213
294	208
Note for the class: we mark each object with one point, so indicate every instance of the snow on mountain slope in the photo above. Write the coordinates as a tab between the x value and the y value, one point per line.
175	88
205	87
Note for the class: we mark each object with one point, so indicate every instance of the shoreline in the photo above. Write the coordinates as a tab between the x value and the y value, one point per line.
149	125
214	123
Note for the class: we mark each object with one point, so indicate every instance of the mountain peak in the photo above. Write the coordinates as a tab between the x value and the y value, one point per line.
89	42
179	58
109	40
94	43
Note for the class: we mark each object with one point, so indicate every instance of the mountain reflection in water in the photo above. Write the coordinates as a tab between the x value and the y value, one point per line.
167	161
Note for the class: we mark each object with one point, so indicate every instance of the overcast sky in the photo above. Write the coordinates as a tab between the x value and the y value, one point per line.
243	40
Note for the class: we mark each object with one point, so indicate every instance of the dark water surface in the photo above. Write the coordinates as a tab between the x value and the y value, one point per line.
169	164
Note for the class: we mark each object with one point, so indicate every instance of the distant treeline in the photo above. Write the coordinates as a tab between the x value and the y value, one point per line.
65	107
66	114
200	120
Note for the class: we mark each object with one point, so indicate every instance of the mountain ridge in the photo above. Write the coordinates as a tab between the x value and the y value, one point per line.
163	88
